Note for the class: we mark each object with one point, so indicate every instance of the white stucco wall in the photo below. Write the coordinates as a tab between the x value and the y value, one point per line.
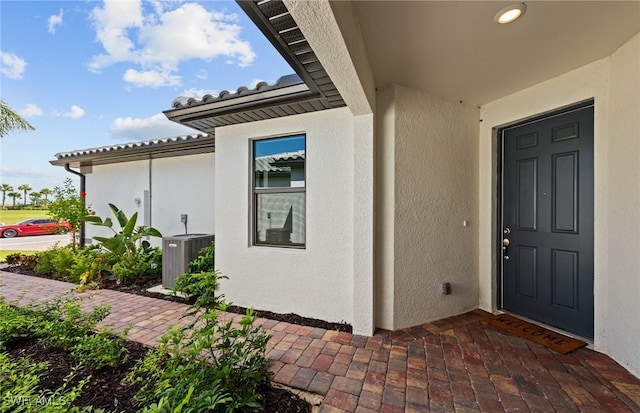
622	329
183	185
614	84
117	184
316	281
385	207
427	189
178	185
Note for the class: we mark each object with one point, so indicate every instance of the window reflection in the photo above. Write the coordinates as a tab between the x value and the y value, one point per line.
279	162
279	191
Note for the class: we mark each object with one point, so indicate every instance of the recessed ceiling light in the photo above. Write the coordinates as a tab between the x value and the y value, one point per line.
510	13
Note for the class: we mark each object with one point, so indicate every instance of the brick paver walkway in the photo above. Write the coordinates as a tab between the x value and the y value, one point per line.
460	364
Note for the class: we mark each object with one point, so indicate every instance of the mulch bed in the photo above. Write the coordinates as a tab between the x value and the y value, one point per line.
105	390
140	288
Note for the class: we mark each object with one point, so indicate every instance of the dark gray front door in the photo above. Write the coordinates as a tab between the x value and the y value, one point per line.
547	220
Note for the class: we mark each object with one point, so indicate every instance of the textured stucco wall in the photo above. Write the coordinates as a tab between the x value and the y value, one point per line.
613	82
385	207
427	187
316	281
363	224
436	190
623	206
118	184
183	184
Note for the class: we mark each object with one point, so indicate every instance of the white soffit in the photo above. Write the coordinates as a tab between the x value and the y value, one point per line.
454	49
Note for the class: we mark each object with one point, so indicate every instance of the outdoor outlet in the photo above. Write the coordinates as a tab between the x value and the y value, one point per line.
446	288
183	219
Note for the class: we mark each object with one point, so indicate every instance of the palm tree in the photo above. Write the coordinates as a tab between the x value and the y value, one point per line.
25	188
10	121
5	188
14	195
45	192
35	197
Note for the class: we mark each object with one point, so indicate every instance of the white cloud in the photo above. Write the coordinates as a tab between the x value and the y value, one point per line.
151	78
154	127
112	23
202	74
76	112
11	65
193	32
31	110
197	93
55	20
158	40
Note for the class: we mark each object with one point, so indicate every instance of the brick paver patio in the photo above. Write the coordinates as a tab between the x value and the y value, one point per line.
460	364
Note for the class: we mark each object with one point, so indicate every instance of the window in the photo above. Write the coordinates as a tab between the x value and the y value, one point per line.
279	191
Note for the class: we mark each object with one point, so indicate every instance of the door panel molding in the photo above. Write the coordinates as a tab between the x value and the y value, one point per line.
546	199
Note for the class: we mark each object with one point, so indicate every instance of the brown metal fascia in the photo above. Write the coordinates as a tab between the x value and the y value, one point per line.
262	22
138	153
183	115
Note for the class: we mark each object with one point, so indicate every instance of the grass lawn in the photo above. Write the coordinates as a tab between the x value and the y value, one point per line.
14	216
4	253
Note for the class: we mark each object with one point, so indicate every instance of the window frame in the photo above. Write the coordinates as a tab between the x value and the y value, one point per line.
275	190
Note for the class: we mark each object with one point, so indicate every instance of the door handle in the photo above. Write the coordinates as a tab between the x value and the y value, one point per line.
505	244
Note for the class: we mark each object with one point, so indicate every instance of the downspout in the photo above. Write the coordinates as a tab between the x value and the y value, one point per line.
83	189
149	204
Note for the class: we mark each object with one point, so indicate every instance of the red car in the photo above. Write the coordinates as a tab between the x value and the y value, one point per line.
38	226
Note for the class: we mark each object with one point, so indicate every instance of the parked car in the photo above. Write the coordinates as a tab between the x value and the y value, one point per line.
37	226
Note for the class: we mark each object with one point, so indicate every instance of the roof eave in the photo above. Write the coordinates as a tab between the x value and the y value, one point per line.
294	93
205	144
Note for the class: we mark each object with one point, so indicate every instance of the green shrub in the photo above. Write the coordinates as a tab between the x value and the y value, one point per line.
202	282
100	349
220	365
58	323
135	256
65	321
62	262
89	264
205	261
155	262
15	323
21	391
201	288
55	262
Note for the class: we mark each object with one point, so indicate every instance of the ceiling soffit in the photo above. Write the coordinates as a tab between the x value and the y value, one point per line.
454	49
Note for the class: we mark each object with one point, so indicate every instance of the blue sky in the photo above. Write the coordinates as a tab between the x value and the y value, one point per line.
94	73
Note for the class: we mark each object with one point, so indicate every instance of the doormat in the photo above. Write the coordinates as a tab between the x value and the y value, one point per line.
548	338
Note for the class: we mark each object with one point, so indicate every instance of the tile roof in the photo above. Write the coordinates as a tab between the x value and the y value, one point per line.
269	162
172	146
284	81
